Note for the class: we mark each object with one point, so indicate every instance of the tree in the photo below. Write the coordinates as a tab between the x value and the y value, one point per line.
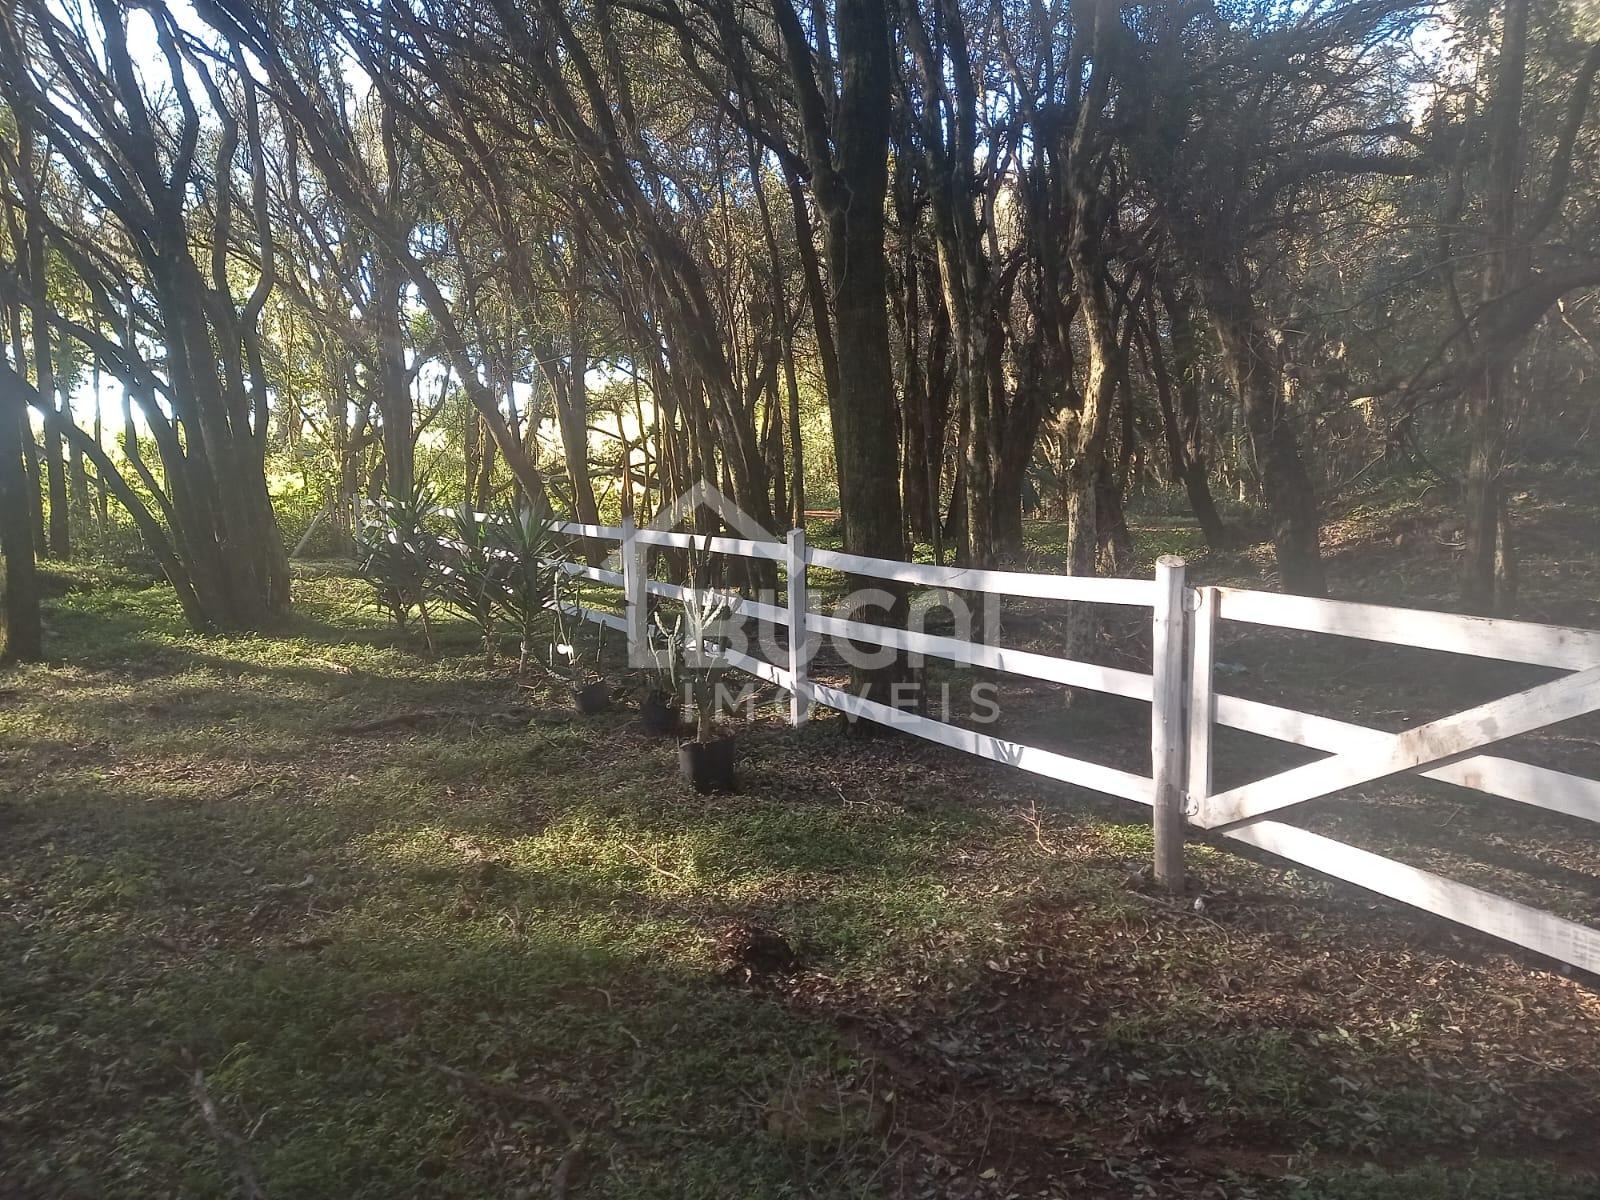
156	206
1514	296
23	634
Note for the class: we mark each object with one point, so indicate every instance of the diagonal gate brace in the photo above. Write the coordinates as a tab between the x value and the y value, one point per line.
1435	743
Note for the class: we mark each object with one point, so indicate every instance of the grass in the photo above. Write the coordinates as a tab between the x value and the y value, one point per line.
456	958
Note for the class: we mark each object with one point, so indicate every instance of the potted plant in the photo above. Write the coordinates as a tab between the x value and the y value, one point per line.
661	706
706	762
591	694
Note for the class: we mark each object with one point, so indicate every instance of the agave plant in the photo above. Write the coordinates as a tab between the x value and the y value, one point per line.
396	554
525	544
471	572
690	646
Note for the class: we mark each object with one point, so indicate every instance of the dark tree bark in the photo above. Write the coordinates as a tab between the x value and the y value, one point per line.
391	382
1255	364
1179	400
565	374
847	149
144	170
1488	567
60	529
34	497
1084	173
947	125
23	635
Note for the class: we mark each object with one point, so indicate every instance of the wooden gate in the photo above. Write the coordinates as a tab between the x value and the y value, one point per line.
1448	749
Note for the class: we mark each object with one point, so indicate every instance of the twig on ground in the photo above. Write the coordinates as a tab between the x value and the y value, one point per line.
230	1142
519	1095
1035	822
563	1172
577	1139
656	867
330	664
289	887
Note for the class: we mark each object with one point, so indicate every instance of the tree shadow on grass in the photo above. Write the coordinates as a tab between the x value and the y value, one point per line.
445	1059
1195	1056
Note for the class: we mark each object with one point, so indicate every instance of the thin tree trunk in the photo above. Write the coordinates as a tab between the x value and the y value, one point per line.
1489	562
30	449
393	396
77	479
471	456
60	530
1180	417
1256	368
23	635
102	498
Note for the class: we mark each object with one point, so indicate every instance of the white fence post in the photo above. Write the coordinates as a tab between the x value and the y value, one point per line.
1167	733
799	690
633	593
1202	712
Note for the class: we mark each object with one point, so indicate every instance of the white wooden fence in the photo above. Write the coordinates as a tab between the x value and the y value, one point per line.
1186	707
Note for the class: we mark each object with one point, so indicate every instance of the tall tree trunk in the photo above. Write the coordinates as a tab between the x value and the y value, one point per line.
570	389
23	635
575	440
1021	436
1256	367
30	449
60	530
1114	539
1180	414
393	387
36	266
1084	181
471	456
346	451
485	482
848	149
816	293
1089	428
77	478
914	488
797	449
949	143
865	443
1489	563
36	485
102	497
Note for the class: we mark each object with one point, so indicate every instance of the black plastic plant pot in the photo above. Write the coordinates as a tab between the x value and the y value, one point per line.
707	766
592	698
659	713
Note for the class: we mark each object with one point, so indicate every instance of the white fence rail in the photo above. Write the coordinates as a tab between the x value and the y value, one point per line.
1186	708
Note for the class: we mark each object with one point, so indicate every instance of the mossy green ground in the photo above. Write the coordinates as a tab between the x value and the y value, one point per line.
480	955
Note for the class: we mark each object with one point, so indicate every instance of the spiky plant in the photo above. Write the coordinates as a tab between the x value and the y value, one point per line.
471	572
396	553
528	542
691	641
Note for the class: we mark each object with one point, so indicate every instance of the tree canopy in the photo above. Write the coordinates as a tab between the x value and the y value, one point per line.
939	263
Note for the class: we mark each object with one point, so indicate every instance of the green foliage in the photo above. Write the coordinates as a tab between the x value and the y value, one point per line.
469	573
689	645
397	555
484	568
529	548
